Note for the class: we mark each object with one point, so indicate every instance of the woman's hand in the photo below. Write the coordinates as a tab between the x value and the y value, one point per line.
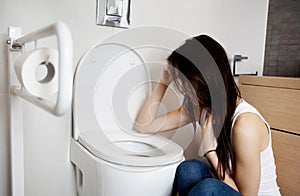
166	77
208	138
148	121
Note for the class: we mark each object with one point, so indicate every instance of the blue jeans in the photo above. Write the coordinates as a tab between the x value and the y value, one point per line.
194	179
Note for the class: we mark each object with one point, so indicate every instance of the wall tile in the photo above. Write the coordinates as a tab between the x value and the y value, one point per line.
283	39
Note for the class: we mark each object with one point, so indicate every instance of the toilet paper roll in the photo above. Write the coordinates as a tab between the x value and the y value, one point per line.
37	71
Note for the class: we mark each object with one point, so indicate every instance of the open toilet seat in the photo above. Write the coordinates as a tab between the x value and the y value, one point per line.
131	150
111	83
110	86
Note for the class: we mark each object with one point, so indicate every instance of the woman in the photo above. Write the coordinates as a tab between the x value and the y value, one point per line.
236	139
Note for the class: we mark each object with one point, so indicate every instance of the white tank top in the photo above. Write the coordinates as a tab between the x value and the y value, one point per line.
268	185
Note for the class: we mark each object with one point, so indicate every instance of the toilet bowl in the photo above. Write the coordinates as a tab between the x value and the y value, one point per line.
110	158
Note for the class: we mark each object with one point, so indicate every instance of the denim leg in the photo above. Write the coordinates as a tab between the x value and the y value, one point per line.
188	174
212	186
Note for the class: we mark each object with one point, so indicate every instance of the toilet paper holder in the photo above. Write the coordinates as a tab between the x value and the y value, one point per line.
63	100
65	66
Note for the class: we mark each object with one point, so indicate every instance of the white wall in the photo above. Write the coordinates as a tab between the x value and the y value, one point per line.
242	30
239	25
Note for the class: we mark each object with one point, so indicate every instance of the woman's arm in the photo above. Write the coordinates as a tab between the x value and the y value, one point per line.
250	137
213	159
208	146
248	134
148	121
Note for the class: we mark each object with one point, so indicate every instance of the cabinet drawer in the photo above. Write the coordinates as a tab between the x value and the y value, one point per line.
286	149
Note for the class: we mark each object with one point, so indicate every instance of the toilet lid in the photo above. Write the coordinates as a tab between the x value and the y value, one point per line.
110	86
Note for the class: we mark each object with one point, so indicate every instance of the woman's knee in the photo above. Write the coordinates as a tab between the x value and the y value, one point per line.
188	174
212	186
193	168
205	187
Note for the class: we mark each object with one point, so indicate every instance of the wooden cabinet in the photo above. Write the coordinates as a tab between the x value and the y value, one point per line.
278	100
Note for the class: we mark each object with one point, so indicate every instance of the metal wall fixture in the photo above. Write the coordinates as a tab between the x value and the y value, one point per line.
114	13
237	58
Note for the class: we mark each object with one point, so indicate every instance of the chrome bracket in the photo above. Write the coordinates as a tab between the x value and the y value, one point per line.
13	33
13	45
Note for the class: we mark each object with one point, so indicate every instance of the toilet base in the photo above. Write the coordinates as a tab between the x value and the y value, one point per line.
97	177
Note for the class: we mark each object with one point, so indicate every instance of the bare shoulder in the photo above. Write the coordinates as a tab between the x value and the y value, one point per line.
249	120
250	129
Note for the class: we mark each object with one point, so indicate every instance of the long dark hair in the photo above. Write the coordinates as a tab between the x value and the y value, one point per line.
201	71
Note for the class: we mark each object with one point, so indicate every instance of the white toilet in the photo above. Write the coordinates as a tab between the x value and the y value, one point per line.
110	158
